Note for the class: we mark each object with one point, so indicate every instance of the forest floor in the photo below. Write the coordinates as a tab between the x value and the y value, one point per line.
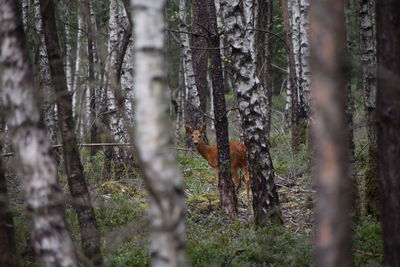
212	239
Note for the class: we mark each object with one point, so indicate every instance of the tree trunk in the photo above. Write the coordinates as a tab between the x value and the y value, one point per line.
153	138
388	114
45	85
94	137
328	62
263	26
252	107
225	184
36	167
7	244
193	111
368	62
81	199
200	56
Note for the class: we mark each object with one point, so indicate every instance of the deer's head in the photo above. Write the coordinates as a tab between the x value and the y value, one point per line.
197	135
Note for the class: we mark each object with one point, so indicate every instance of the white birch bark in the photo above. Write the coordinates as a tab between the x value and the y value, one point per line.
77	79
193	106
45	81
25	10
153	137
37	169
68	48
304	79
251	99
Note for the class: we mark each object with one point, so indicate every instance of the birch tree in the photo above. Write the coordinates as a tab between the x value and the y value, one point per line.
194	117
330	136
388	124
252	106
368	62
37	169
44	79
153	138
73	167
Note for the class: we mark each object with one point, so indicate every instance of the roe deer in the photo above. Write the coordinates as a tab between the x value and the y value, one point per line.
210	153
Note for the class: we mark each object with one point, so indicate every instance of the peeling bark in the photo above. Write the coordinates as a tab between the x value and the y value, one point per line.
37	169
252	107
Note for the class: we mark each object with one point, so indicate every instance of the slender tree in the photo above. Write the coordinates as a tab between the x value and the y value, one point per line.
225	183
328	62
153	138
81	199
36	167
366	16
388	114
252	107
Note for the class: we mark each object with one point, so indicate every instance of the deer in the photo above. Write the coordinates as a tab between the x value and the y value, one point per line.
238	155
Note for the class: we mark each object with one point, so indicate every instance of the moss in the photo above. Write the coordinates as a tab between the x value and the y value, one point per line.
204	202
372	202
114	187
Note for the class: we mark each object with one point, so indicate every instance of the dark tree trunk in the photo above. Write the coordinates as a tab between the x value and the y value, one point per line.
199	17
367	29
388	114
328	63
81	199
7	245
225	183
36	167
263	26
92	86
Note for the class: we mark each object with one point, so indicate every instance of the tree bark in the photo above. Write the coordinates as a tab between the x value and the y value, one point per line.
90	236
368	62
37	169
225	184
388	114
153	137
330	140
252	107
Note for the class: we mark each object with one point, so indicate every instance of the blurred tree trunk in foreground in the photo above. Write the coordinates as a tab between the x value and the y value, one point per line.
388	114
153	138
328	63
37	169
90	236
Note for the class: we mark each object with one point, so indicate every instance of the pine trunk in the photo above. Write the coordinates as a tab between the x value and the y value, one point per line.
81	199
225	184
368	63
330	140
388	114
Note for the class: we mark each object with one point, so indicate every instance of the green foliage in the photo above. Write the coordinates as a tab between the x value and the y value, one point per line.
218	243
368	246
132	254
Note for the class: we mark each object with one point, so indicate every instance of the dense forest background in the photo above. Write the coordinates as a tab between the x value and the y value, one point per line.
119	119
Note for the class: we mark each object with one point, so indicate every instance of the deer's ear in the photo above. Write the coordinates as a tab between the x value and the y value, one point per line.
203	127
188	128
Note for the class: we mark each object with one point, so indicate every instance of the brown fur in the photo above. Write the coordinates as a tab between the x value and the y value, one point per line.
210	153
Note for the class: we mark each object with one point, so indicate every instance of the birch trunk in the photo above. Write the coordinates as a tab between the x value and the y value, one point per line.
37	169
68	48
330	136
45	85
153	138
76	88
368	62
81	199
194	117
388	125
252	107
